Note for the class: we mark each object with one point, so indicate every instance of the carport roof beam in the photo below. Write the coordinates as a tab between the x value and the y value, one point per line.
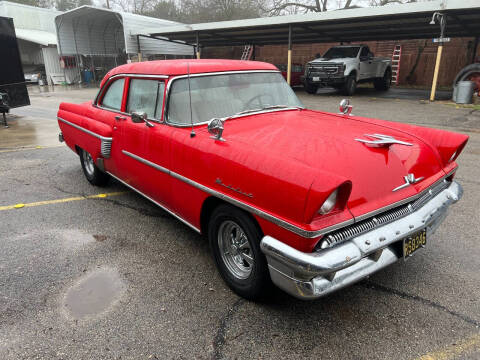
395	22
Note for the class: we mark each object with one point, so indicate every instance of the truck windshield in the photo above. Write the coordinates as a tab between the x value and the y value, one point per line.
342	52
219	96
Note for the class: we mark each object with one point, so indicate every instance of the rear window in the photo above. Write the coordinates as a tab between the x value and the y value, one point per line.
113	97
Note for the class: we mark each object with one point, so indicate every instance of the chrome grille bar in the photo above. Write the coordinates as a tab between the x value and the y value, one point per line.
389	216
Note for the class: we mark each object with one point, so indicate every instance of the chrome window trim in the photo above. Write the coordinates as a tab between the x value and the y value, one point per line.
176	77
156	203
111	78
85	130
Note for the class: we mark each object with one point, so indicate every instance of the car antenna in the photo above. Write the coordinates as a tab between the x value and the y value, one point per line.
192	133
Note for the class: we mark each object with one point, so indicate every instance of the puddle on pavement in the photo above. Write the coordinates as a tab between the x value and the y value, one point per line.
94	294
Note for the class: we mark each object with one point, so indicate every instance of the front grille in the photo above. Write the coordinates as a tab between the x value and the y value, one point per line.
325	68
386	217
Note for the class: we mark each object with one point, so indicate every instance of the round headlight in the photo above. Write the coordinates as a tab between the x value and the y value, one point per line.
329	204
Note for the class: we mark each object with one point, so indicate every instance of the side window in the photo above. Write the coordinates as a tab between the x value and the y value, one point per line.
113	97
146	96
364	52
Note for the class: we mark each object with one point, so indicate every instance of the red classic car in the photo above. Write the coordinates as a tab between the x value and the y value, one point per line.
309	200
296	74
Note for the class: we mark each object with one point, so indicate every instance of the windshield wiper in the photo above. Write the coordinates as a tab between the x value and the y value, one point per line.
269	107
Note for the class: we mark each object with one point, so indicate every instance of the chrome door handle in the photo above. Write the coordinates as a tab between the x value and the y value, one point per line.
119	118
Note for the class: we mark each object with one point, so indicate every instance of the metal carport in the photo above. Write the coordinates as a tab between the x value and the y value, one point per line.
96	32
390	22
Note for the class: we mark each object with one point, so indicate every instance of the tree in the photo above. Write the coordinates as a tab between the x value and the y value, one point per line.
64	5
281	7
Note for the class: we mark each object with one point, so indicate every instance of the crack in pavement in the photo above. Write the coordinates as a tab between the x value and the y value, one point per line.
219	340
141	211
427	302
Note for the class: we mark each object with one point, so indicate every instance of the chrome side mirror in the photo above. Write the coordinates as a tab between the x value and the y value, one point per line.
139	117
345	107
215	127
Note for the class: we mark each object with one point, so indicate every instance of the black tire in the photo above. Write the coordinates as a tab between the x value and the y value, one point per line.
93	174
384	83
310	88
466	71
249	280
350	85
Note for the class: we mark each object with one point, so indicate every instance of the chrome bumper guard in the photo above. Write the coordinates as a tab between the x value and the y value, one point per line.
312	275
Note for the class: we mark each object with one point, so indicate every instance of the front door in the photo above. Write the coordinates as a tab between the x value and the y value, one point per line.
145	152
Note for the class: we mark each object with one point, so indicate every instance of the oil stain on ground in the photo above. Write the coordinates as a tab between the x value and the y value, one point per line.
94	294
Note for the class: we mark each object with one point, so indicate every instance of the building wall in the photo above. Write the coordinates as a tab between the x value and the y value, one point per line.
456	55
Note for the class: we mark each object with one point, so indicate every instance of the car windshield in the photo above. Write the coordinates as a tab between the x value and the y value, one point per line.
219	96
342	52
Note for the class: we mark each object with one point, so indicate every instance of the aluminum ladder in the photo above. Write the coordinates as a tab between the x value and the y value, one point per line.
247	52
396	56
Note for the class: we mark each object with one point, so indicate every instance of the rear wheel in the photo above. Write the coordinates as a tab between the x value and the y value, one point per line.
235	242
311	88
350	85
93	174
384	83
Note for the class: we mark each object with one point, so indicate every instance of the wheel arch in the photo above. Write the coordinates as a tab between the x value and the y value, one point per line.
210	204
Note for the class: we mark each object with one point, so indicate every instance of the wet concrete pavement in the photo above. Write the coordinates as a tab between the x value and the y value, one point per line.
116	277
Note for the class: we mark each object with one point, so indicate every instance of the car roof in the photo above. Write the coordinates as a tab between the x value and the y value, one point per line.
183	66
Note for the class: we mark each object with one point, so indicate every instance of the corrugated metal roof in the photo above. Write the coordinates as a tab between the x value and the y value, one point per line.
40	37
390	22
89	30
30	17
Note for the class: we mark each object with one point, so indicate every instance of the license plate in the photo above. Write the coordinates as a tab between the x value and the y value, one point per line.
316	78
414	242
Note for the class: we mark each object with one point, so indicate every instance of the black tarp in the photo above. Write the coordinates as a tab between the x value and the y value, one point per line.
12	80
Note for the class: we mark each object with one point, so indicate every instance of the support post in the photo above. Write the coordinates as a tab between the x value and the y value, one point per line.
475	46
198	45
435	73
139	50
289	58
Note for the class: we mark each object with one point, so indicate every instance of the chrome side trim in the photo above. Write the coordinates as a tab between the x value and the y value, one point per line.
156	203
85	130
282	223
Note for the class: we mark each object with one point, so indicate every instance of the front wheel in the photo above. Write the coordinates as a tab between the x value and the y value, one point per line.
93	174
311	88
235	242
350	85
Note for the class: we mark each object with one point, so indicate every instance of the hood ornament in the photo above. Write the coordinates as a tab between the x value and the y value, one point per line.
381	140
409	179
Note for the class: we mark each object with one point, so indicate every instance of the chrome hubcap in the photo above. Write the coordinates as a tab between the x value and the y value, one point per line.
88	162
235	249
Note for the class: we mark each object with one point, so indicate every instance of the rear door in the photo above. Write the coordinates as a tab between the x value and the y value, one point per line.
366	63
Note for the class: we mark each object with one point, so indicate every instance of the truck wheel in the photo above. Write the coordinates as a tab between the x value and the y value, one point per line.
383	84
350	85
93	174
311	88
235	242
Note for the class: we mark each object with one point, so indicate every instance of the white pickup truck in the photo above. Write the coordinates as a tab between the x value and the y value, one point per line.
343	67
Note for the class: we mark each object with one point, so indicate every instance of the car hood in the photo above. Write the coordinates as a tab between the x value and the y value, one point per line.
340	61
327	142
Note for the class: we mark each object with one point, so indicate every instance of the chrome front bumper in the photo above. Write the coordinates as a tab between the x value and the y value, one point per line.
312	275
